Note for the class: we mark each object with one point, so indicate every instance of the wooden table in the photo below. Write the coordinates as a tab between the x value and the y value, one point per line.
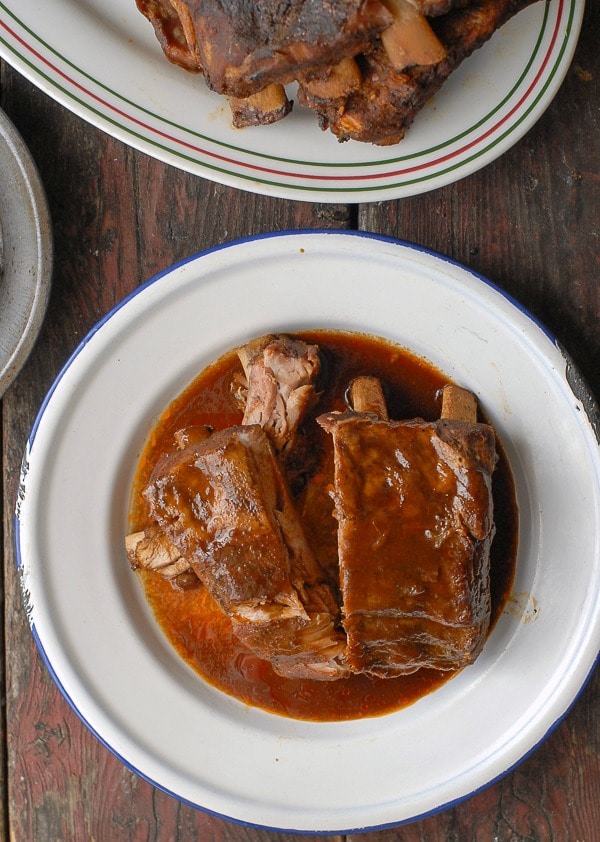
529	222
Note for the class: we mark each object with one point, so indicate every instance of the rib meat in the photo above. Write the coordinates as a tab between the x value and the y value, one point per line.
175	31
277	389
224	505
387	102
415	524
279	386
243	45
366	67
433	8
151	550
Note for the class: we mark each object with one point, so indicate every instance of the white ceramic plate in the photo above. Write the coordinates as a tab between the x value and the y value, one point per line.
89	615
25	253
101	59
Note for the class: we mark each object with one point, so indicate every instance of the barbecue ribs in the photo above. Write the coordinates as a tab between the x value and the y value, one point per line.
243	45
385	105
415	523
365	67
224	505
222	513
414	512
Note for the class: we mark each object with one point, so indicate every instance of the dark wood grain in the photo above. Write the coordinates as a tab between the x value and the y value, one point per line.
528	222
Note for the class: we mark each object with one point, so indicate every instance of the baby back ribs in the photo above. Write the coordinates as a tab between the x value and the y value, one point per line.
224	505
276	390
365	67
385	105
415	523
241	46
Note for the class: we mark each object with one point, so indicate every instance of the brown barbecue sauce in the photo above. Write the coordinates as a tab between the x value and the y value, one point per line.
193	624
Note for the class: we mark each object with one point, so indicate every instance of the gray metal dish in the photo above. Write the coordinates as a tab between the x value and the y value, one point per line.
26	250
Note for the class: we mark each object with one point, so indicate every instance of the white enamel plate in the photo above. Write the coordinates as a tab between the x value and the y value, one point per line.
101	59
103	646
